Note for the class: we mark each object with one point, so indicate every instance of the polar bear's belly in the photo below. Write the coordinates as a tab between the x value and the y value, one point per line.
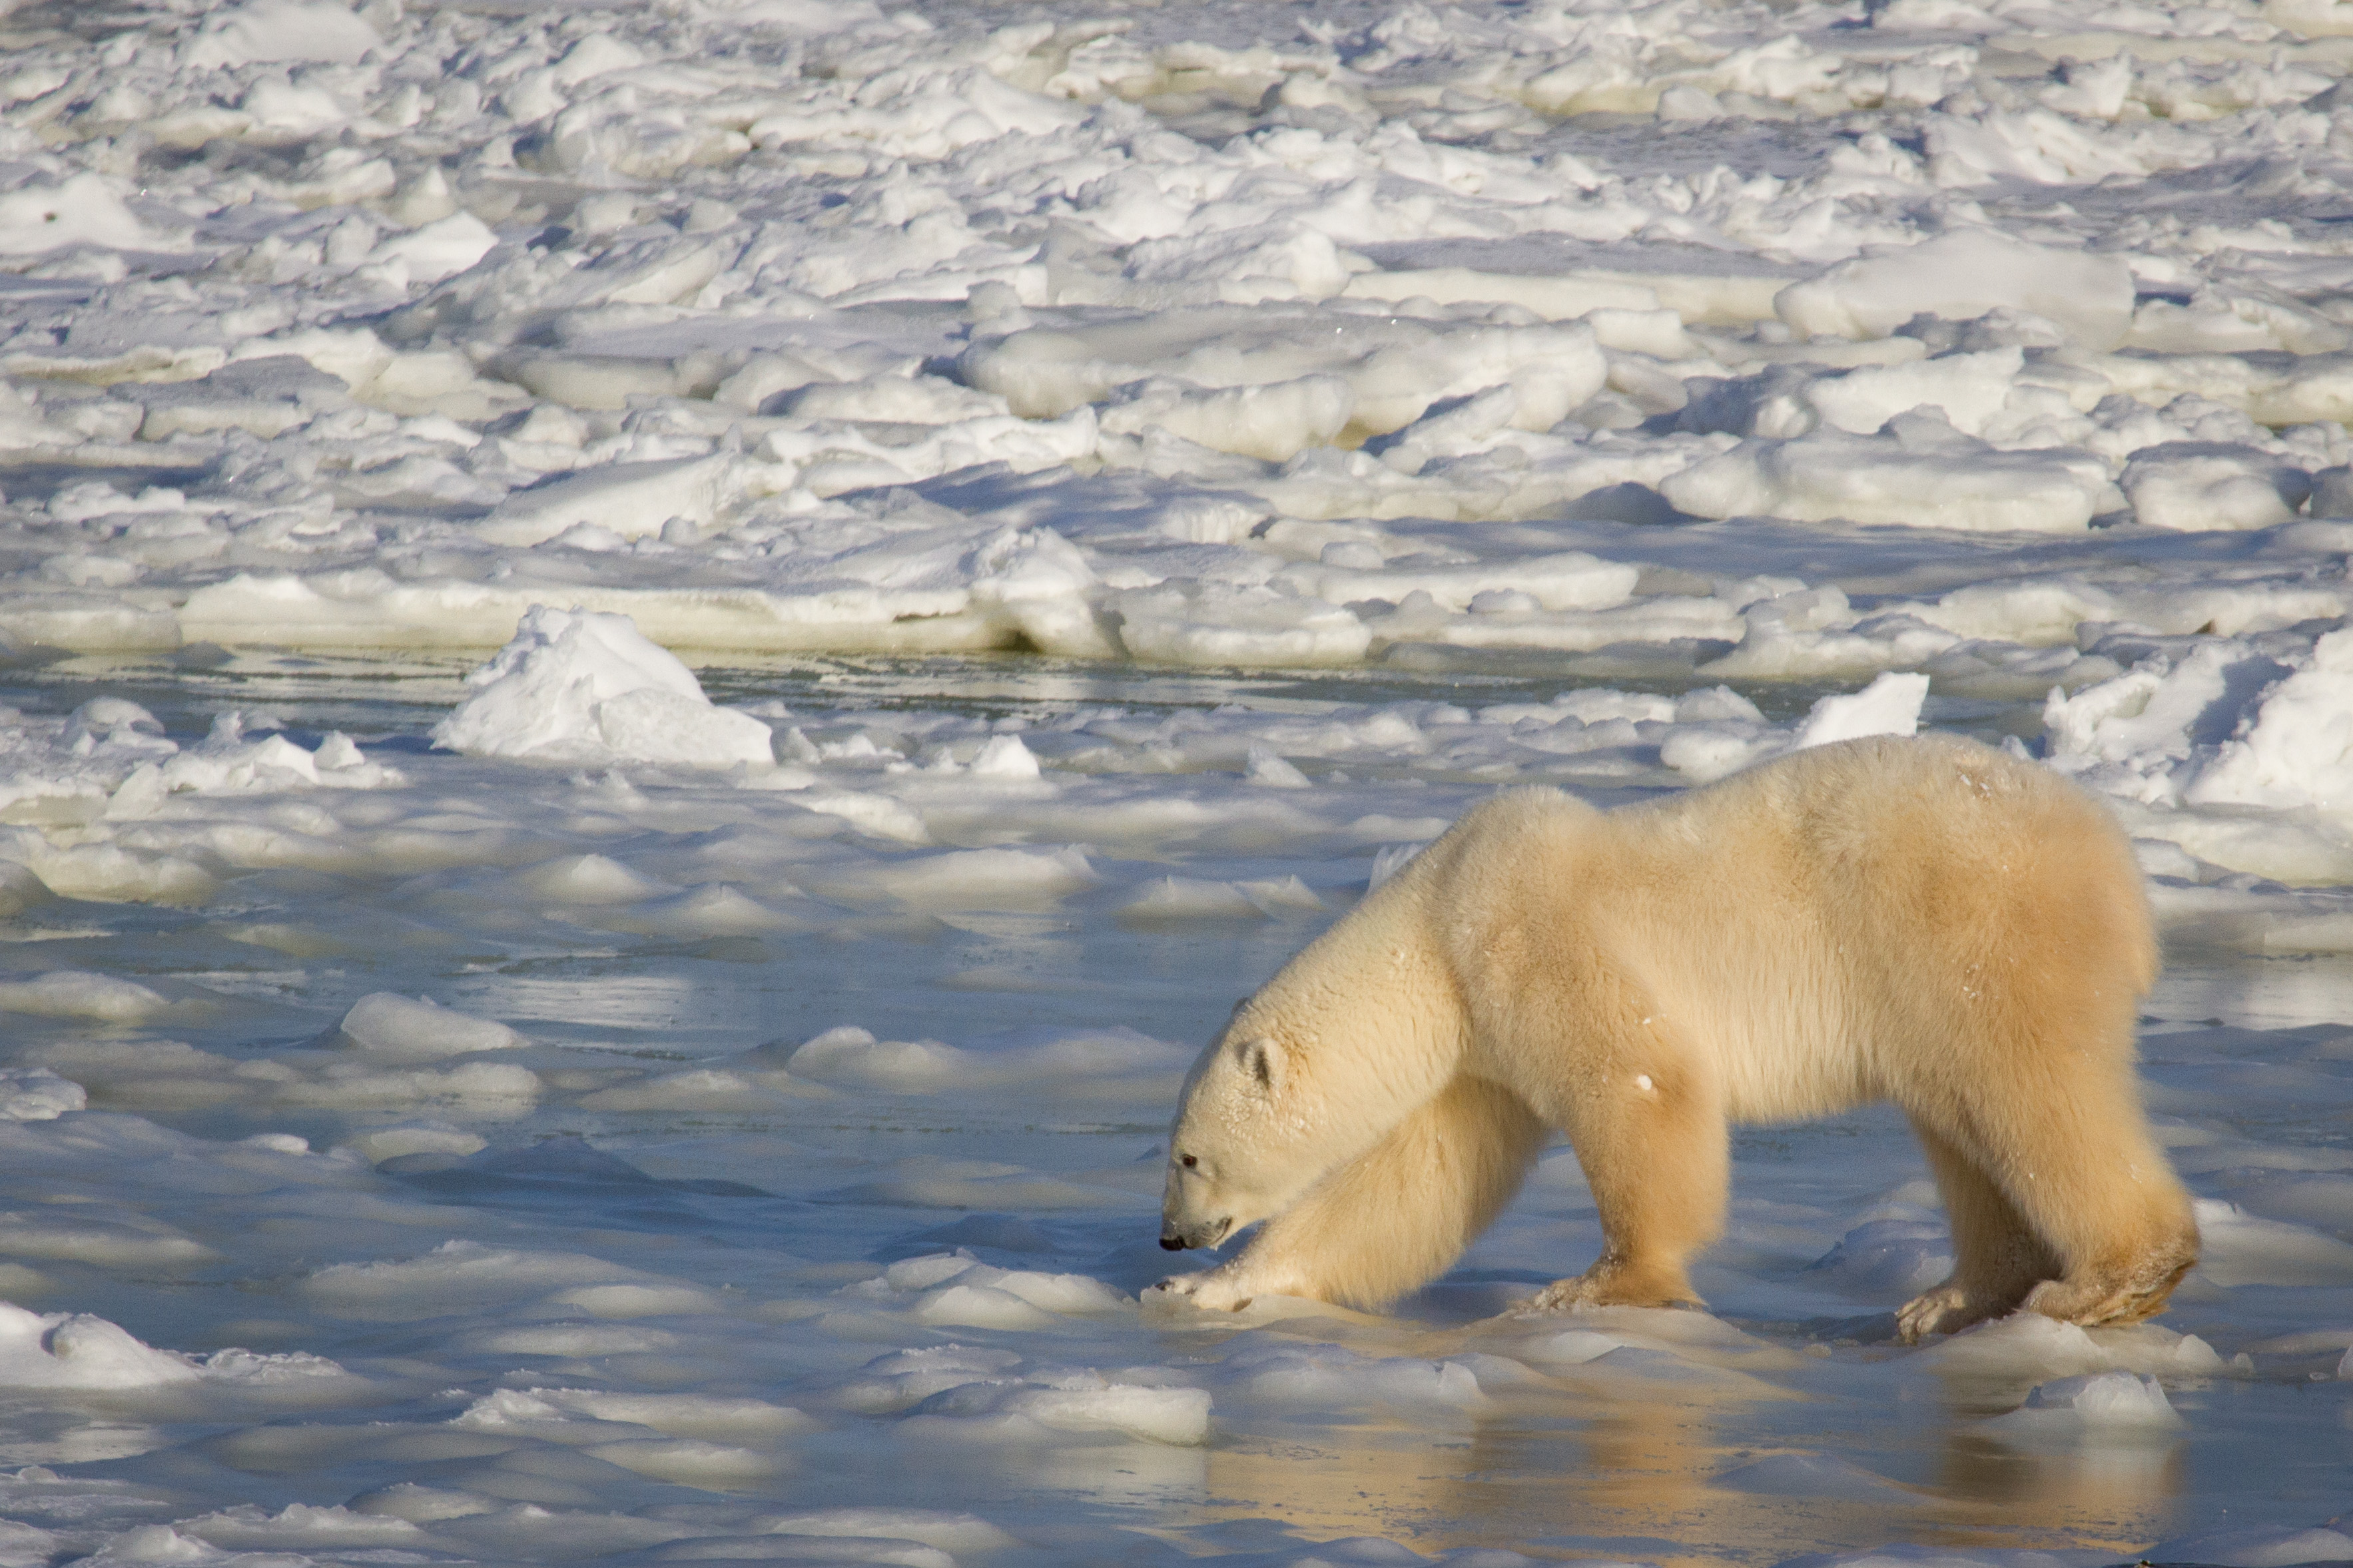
1784	1043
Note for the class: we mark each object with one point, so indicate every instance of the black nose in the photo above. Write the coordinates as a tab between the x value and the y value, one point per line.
1172	1244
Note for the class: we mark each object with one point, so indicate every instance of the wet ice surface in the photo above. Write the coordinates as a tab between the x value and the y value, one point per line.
475	1088
522	1163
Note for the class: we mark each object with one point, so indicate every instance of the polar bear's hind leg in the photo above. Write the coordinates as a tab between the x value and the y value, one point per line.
2075	1175
2116	1216
1998	1258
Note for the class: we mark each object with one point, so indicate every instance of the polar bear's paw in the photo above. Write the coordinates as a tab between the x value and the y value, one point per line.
1610	1287
1945	1309
1209	1290
1561	1296
2125	1293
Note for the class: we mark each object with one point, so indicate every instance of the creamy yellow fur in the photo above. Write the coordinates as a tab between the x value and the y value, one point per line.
1927	921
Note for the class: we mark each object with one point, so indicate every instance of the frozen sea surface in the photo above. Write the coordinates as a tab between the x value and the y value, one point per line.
1111	480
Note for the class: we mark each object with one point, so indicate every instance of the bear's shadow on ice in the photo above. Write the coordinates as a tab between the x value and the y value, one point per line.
562	1174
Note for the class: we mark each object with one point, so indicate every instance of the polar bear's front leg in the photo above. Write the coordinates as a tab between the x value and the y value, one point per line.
1650	1135
1228	1287
1395	1217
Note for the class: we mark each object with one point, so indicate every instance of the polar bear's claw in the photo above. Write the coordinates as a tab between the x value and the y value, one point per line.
1943	1310
1204	1290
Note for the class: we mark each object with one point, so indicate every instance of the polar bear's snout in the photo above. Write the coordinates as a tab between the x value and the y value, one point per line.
1175	1238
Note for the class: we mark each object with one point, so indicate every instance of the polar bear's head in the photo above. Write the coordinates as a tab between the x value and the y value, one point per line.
1314	1069
1235	1154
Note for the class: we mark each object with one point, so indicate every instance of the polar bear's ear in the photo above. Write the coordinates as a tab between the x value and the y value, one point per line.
1261	1060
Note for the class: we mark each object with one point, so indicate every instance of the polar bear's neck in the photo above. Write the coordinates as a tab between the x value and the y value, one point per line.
1371	1017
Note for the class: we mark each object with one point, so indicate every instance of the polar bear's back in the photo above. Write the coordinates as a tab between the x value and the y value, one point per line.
1955	910
1829	927
1943	840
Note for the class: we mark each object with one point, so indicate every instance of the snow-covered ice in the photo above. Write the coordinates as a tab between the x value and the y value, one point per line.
658	665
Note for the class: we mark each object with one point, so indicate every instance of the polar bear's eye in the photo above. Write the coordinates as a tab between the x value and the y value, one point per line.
1187	1161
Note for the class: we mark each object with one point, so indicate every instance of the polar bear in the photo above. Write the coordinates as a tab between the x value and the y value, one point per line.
1927	921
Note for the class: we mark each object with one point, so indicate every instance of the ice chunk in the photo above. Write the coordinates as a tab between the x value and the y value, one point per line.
421	1504
87	1236
577	686
987	878
77	993
1330	1378
439	249
853	1057
297	1525
904	1378
1890	705
2201	485
2027	1347
1273	422
1917	475
37	1094
1086	1406
2098	1407
1962	274
689	1461
1198	623
712	1416
715	910
2296	749
634	1300
1892	1259
280	31
1071	1295
418	1138
972	1294
627	501
1166	900
1970	388
226	763
589	879
980	1307
931	1268
2241	1249
2203	737
74	1350
20	890
83	209
571	1340
1005	757
420	1029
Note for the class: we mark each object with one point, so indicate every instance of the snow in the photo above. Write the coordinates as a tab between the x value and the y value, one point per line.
583	686
658	667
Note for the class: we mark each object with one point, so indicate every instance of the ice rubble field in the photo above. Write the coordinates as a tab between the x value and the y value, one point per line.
476	1089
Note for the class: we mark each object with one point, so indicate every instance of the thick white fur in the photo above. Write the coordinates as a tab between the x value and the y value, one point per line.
1927	921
